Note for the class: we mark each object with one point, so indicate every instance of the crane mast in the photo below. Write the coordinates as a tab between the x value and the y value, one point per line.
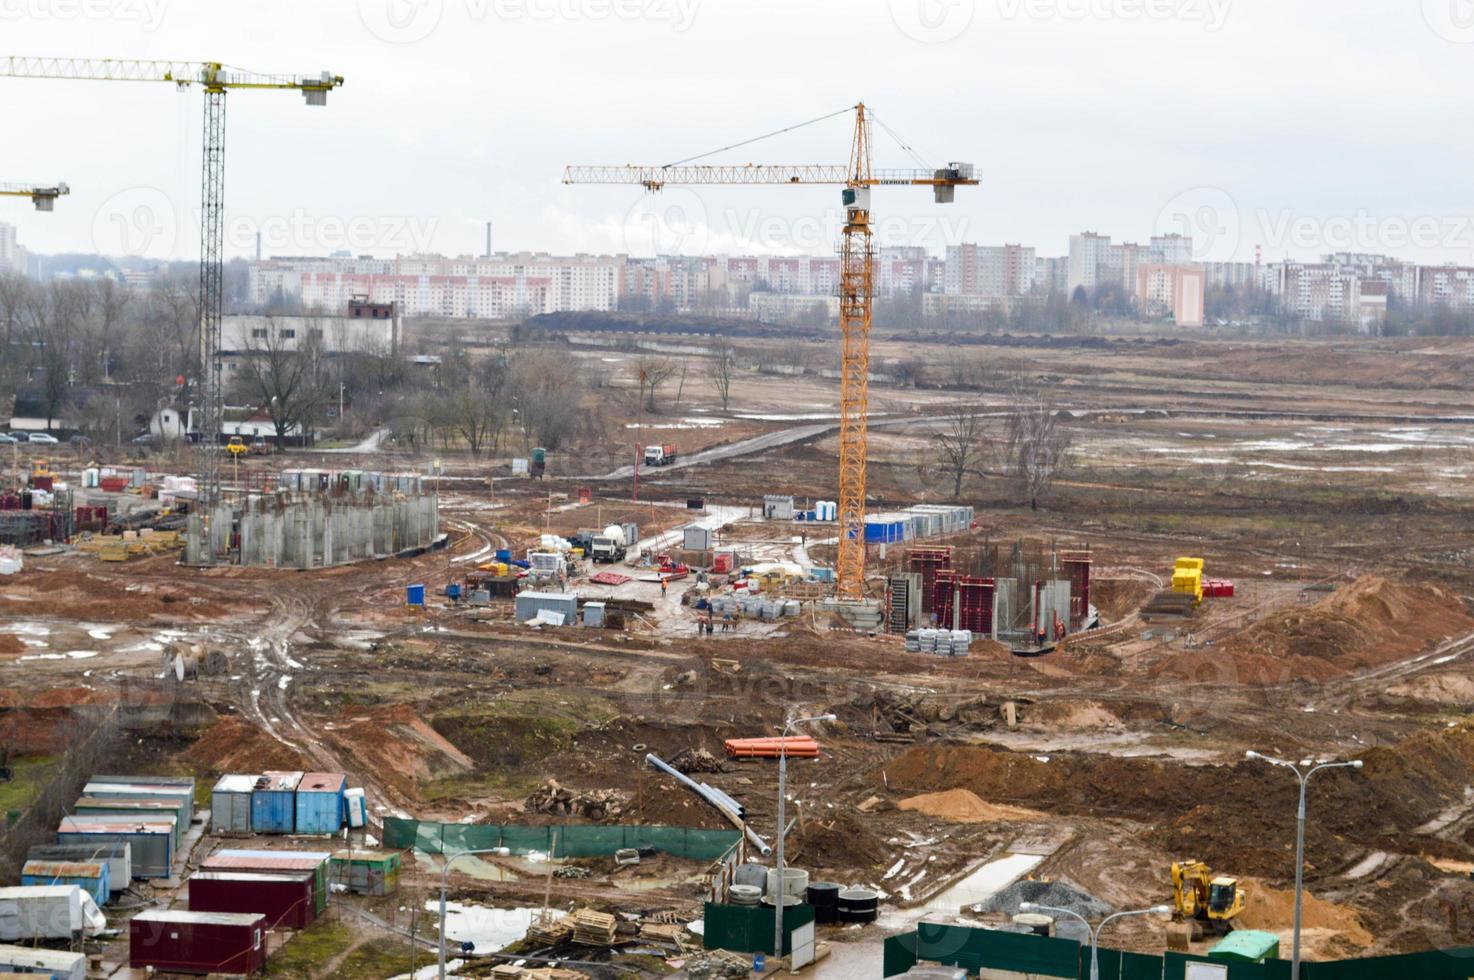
216	79
856	292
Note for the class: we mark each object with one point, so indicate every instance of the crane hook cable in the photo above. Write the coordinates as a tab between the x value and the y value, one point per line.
776	132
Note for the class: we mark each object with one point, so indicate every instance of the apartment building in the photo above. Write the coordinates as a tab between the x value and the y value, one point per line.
989	270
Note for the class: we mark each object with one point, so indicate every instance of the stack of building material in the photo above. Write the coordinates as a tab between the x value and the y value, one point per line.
795	747
609	578
1169	604
1187	578
592	928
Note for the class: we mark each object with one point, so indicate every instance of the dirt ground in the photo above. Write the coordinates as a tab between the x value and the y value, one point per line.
1329	481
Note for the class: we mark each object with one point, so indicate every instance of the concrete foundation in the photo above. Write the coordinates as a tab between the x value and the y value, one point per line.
312	530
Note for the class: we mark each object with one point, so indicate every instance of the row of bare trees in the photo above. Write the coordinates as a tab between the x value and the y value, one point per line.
1026	442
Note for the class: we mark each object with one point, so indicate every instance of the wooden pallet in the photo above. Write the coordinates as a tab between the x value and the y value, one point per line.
592	928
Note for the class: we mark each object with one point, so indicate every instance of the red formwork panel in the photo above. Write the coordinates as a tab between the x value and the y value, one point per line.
927	562
945	598
1075	565
975	605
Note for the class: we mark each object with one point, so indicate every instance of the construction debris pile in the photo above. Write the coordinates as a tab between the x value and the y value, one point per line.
558	800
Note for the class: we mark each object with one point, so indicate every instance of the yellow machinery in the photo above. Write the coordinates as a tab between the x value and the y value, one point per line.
216	80
42	195
237	446
1202	901
856	289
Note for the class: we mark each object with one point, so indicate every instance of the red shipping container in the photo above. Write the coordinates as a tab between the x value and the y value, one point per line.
197	942
113	484
285	899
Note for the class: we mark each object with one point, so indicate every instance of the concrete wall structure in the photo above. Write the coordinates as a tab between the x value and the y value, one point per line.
314	530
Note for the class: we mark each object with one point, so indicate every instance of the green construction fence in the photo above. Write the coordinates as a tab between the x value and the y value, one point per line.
1039	956
560	840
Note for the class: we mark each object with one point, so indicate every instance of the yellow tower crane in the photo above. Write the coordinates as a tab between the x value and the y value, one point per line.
41	195
216	79
856	290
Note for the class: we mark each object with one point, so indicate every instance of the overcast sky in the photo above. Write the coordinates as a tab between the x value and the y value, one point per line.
1302	126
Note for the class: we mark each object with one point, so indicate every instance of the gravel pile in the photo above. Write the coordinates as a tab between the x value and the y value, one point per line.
1053	893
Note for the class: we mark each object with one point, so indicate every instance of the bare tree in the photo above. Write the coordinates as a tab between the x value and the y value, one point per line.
1036	444
285	372
547	410
962	446
653	372
723	364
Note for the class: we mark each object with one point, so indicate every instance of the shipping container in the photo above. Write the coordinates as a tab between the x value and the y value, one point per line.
275	861
151	842
32	963
135	808
31	912
90	876
119	858
197	942
230	804
274	803
320	802
283	897
696	538
529	605
366	871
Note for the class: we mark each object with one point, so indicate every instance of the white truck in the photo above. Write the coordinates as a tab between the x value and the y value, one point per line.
662	455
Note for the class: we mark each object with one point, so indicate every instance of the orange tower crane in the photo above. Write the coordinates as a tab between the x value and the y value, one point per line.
856	290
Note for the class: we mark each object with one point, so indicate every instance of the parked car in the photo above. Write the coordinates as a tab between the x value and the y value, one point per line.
18	437
6	439
44	438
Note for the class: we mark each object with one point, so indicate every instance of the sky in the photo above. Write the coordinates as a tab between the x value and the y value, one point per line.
1300	127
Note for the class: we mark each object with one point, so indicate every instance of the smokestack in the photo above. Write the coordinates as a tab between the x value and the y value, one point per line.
488	240
258	246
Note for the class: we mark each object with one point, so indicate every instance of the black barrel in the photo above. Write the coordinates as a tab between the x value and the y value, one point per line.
824	897
859	905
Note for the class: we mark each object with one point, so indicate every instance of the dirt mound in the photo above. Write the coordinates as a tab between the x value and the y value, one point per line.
1117	598
1273	910
1056	894
1196	810
842	841
1369	622
398	744
233	744
11	645
965	806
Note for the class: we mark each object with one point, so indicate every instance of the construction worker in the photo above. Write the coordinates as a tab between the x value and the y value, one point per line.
664	586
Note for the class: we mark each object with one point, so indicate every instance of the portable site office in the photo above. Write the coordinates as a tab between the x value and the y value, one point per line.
272	862
183	796
230	804
319	805
90	876
366	871
274	803
118	855
284	897
148	808
43	963
151	843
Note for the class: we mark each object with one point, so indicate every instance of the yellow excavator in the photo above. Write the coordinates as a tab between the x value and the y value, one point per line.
1202	901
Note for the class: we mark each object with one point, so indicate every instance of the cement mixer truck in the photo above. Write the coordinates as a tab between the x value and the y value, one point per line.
608	545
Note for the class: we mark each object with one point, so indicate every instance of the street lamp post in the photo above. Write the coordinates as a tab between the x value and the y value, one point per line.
444	874
1310	767
1096	930
782	829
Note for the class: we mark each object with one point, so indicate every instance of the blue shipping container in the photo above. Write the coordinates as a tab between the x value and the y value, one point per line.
414	595
885	532
274	803
70	873
504	554
320	806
